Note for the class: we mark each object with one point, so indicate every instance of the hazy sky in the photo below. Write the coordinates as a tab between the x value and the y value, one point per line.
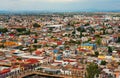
60	5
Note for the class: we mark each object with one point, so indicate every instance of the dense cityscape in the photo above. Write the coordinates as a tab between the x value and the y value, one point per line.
66	45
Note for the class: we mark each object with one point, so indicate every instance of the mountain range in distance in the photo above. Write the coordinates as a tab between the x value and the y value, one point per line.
6	12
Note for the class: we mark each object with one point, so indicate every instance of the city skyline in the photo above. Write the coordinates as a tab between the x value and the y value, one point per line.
60	5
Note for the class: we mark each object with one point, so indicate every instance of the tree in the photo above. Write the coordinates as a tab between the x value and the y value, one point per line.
92	70
73	32
81	35
96	54
87	24
118	40
50	29
104	31
21	29
19	58
27	32
98	41
3	30
71	23
118	63
35	41
109	50
78	42
81	29
36	25
36	34
2	46
92	30
103	62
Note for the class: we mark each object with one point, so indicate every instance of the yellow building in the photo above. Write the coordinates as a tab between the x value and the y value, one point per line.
88	46
10	43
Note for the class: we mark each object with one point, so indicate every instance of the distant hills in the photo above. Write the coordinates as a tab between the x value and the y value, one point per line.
6	12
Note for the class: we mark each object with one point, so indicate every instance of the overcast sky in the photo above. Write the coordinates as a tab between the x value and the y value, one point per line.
59	5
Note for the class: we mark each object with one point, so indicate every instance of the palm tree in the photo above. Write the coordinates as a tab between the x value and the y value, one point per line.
92	70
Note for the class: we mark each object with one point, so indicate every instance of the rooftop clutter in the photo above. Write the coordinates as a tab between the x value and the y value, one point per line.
69	43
